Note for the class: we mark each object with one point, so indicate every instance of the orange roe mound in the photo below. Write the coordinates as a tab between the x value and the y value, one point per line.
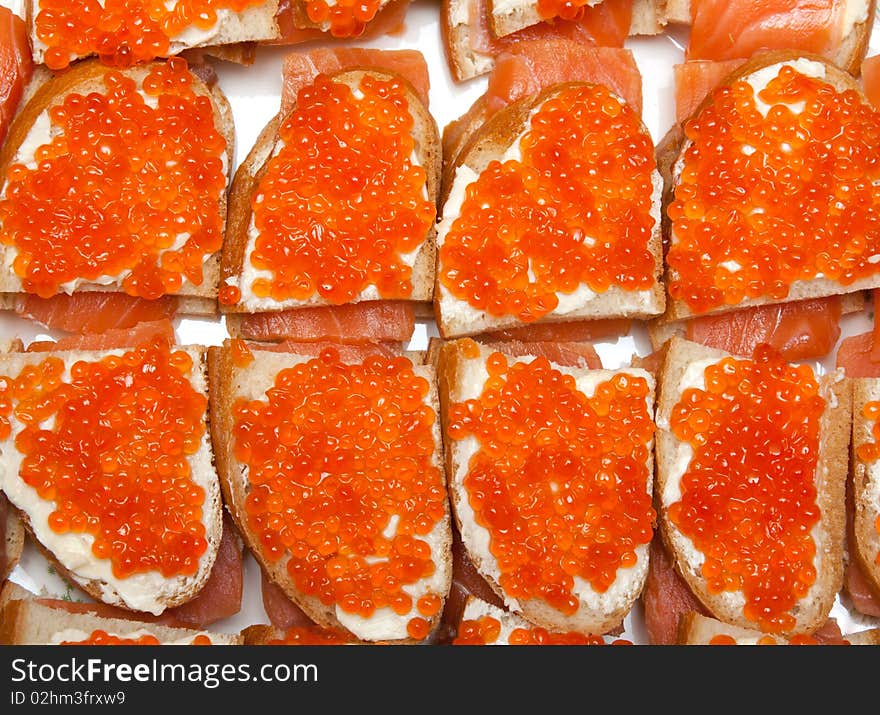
870	451
334	453
766	201
115	462
311	635
229	295
117	188
560	481
487	630
722	639
101	637
342	202
576	210
121	32
343	18
241	353
748	497
564	9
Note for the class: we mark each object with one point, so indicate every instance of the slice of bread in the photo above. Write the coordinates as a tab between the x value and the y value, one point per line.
31	128
700	630
671	158
255	23
241	232
506	16
463	374
30	622
230	384
302	635
866	486
455	25
12	534
474	149
71	552
682	369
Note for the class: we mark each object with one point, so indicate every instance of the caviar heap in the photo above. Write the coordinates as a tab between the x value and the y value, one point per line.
724	639
342	18
99	637
560	481
114	454
345	483
342	204
487	631
122	32
748	497
124	190
769	198
310	635
574	211
870	451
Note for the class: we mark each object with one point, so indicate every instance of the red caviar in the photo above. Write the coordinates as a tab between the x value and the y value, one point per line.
575	210
748	497
241	353
344	480
724	639
560	481
486	630
343	18
115	460
342	202
870	451
311	635
229	295
101	637
121	32
119	187
564	9
765	201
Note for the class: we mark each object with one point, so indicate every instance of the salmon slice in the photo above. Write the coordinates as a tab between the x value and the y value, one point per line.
604	25
582	355
875	348
221	595
695	80
727	29
854	356
800	330
94	311
666	597
871	79
368	322
830	634
389	20
16	65
527	67
282	612
860	592
572	332
347	352
112	339
301	68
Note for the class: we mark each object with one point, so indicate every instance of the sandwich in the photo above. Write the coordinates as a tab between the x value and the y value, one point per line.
751	474
700	630
331	464
302	21
138	210
62	32
551	213
507	18
46	622
550	472
354	238
108	463
485	624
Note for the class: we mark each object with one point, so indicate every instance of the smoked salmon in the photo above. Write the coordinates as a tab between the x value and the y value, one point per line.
388	20
94	311
863	597
301	68
110	340
854	356
368	322
800	330
666	597
729	29
16	65
570	332
282	612
875	349
582	355
871	79
527	67
695	80
347	352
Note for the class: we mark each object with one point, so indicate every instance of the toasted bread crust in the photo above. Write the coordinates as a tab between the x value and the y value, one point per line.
866	542
252	170
14	537
670	151
812	611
